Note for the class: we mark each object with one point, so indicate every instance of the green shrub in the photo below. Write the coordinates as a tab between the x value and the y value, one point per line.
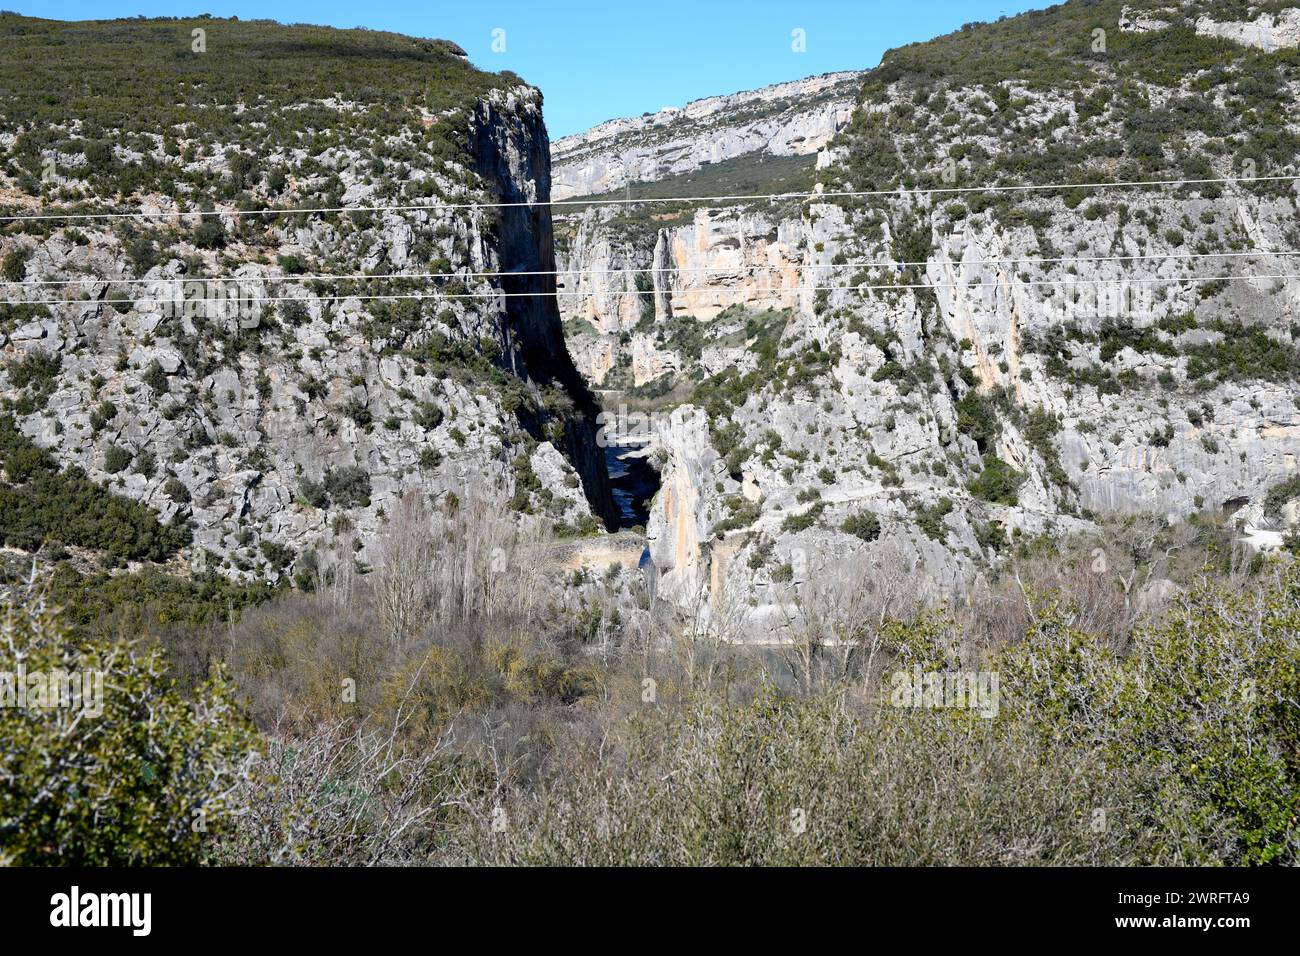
998	482
930	519
39	370
742	513
428	416
142	782
357	410
41	503
1200	710
210	234
312	494
864	525
101	415
977	418
1280	494
175	489
117	459
807	519
155	377
278	556
14	265
348	486
141	602
142	254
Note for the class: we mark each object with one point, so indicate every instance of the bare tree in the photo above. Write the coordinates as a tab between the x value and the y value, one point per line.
343	794
468	558
836	618
486	562
403	581
338	578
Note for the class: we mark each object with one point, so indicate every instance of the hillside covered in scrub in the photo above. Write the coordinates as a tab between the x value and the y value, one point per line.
182	356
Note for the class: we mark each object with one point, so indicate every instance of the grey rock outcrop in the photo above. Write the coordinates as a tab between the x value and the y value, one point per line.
1268	31
785	119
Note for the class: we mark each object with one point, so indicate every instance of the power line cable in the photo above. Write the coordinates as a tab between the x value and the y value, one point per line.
826	194
495	294
648	270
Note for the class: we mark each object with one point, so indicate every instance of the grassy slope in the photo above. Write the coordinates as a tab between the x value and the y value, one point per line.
142	74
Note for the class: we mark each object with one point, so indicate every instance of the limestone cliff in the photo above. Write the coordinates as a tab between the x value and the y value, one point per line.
929	380
273	379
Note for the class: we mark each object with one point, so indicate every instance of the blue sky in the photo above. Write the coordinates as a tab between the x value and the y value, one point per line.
600	60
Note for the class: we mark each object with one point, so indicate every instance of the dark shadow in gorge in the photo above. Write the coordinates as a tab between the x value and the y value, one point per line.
633	482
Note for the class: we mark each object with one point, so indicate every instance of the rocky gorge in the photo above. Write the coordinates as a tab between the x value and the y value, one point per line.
929	380
921	346
894	467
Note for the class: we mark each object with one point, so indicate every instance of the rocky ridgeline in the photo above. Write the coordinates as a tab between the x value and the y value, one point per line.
1268	31
992	369
786	119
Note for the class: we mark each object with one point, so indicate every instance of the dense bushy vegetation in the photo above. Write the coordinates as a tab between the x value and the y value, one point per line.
41	503
1094	758
99	604
134	774
445	710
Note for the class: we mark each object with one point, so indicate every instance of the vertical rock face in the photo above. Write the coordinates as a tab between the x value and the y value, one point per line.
608	281
512	151
685	508
1267	32
727	257
629	288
